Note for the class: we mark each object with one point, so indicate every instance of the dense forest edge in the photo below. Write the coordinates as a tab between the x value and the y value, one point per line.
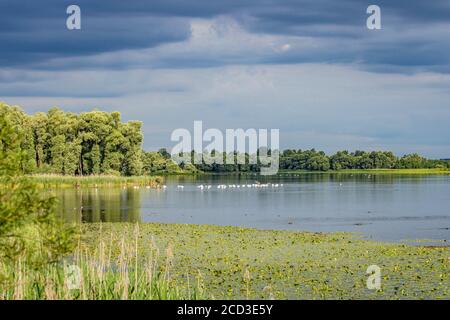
98	143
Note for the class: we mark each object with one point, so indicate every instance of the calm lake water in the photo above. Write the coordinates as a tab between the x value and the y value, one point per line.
382	207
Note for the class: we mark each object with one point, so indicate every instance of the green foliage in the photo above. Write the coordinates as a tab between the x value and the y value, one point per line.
312	160
110	270
95	158
163	152
155	162
10	150
358	160
72	157
29	229
57	153
65	143
50	181
342	160
412	161
319	162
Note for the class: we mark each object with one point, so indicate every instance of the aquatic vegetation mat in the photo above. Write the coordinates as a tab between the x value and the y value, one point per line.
233	262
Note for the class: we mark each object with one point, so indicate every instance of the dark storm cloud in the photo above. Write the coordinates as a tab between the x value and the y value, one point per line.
289	16
33	33
36	32
415	36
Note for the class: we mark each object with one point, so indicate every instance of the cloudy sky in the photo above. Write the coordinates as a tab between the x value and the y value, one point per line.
310	68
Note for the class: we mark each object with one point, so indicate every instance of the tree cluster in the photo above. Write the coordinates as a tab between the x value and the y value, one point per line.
66	143
341	160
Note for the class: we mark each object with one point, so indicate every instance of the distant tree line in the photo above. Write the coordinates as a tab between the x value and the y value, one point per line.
98	142
318	160
312	160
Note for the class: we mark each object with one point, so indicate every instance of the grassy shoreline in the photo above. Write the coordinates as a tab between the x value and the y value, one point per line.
422	171
234	262
59	181
373	171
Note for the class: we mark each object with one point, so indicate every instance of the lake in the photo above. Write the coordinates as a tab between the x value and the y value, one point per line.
381	207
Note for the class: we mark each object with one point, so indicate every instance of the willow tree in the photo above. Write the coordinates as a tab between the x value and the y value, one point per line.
72	156
132	148
113	155
95	158
39	126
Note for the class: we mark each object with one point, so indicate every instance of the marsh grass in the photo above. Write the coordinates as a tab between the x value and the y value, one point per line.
59	181
110	270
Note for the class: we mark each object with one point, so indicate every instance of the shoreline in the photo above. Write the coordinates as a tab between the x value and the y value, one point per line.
61	181
45	180
374	171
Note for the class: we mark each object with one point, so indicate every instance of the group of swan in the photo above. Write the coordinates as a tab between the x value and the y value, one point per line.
229	186
224	186
146	187
235	186
253	185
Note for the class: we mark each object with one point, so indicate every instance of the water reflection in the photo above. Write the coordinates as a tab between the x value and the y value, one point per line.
100	205
386	207
307	178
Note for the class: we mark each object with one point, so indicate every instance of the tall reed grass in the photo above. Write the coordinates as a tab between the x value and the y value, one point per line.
59	181
111	270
